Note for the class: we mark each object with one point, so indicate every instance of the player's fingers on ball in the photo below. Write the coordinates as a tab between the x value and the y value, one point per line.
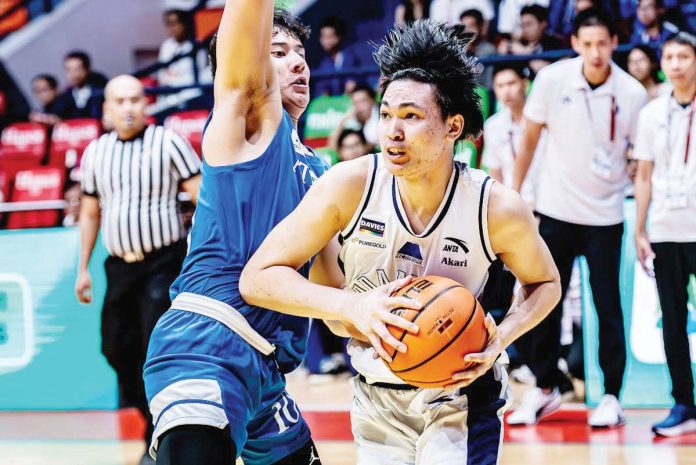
405	302
388	338
400	322
477	357
377	344
398	284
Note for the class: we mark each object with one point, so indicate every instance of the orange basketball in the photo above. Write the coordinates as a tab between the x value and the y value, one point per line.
451	325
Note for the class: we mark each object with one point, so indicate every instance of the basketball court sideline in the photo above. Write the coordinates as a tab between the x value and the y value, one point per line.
110	438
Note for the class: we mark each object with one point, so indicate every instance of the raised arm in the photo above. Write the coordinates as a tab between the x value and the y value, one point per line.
243	47
248	106
270	279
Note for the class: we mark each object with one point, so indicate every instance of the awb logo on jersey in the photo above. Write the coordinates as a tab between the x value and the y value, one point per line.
372	227
411	252
299	146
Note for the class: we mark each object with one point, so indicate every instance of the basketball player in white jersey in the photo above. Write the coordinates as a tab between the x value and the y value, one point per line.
412	211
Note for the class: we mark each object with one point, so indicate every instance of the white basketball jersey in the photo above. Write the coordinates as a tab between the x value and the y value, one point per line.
379	245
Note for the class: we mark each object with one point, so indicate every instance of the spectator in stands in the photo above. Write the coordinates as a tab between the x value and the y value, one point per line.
352	145
473	20
184	71
589	107
142	229
411	10
83	98
13	105
562	13
532	39
502	132
643	65
45	90
650	27
666	182
509	15
364	117
71	212
450	11
332	34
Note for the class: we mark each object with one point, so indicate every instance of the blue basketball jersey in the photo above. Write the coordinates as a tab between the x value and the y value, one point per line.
238	206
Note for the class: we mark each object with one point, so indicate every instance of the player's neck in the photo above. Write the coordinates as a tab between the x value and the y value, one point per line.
596	77
422	194
684	94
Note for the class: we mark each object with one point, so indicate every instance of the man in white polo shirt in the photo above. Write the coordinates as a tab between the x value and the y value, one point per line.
666	181
503	131
589	107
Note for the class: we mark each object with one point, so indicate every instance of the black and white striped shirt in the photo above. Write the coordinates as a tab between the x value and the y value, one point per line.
136	182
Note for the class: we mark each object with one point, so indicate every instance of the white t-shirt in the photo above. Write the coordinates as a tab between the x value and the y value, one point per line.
660	119
502	137
450	11
509	14
583	177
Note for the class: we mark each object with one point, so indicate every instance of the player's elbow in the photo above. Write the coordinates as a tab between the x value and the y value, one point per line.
249	288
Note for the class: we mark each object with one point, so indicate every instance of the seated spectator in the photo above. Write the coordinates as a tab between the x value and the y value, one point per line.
182	72
449	11
332	32
13	105
352	145
532	39
562	13
650	27
509	15
643	65
364	117
81	100
480	47
71	212
411	10
45	90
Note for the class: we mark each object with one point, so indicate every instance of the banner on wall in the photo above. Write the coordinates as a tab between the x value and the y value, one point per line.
646	383
50	355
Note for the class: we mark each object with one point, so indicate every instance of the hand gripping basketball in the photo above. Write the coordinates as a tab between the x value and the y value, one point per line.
483	361
372	311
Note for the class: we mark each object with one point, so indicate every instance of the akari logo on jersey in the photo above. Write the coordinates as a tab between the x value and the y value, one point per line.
411	252
371	227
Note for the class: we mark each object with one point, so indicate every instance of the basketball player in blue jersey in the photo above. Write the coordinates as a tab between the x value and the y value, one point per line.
412	211
214	372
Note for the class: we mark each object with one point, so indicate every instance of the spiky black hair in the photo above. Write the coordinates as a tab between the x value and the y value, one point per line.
435	53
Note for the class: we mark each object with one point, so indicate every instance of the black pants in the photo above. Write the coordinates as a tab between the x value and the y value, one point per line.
137	294
601	246
674	263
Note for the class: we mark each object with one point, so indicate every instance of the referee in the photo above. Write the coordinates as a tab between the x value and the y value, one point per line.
130	180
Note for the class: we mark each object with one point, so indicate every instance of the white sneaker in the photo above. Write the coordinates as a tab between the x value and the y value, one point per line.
608	413
535	405
523	375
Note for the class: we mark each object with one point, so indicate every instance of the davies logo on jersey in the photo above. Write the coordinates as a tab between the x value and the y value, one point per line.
373	227
456	246
411	252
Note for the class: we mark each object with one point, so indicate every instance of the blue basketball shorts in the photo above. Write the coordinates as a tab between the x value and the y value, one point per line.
200	372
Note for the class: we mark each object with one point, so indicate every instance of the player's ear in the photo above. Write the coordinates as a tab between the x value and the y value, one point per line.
455	126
